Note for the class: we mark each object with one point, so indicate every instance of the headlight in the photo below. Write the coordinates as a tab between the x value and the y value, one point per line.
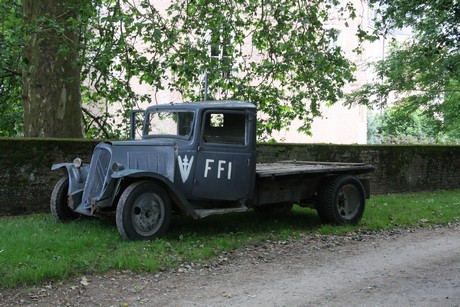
116	167
77	163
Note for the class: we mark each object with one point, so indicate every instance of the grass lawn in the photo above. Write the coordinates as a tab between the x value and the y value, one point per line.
36	249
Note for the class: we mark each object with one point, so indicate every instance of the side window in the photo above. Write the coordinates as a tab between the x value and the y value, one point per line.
225	128
169	122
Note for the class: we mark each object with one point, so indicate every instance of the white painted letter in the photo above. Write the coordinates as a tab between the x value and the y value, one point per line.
220	168
207	167
229	174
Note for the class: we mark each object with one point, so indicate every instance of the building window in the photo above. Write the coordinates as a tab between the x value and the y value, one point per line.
219	49
373	14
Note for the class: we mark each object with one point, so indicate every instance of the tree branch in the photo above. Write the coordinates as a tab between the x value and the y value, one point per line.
98	121
11	73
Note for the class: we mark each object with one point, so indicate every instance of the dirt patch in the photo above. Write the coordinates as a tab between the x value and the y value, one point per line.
401	267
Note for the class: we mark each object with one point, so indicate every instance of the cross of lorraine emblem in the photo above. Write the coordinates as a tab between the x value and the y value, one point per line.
185	165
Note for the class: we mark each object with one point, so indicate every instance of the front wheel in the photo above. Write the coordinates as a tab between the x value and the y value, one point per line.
143	211
341	201
59	202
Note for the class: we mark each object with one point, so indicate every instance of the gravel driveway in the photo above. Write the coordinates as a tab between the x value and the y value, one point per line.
415	267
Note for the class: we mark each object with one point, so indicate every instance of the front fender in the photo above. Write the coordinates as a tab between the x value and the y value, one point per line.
77	176
135	173
176	195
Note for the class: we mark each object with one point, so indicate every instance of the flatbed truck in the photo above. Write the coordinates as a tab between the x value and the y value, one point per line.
199	159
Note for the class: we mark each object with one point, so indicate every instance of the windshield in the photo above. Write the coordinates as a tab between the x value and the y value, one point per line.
170	123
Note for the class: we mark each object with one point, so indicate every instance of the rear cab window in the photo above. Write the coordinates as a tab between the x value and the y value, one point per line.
225	128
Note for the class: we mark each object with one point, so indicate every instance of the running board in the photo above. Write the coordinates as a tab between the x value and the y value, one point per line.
207	212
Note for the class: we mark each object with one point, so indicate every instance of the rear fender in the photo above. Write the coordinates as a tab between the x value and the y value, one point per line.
176	196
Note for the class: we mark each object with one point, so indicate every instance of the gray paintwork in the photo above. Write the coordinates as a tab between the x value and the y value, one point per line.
189	168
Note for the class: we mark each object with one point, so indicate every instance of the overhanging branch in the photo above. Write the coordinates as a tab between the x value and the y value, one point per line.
10	73
98	120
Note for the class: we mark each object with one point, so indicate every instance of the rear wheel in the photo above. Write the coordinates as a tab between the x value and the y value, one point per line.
59	201
341	201
143	211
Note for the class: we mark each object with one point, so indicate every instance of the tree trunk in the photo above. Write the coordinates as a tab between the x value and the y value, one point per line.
51	77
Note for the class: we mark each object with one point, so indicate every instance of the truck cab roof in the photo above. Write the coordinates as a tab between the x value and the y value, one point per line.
204	105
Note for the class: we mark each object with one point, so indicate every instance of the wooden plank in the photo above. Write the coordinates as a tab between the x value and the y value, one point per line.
286	168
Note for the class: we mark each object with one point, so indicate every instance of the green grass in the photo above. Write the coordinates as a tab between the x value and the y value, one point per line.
36	249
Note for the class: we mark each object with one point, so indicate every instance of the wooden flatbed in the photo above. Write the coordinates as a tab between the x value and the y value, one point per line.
287	168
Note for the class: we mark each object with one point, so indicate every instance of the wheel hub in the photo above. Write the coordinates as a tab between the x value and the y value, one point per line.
348	201
147	214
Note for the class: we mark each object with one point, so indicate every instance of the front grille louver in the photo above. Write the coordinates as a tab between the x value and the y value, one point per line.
98	169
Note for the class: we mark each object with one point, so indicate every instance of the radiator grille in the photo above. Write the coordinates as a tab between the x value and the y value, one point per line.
96	176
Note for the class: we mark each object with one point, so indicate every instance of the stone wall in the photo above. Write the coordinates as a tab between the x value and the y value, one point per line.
26	179
397	168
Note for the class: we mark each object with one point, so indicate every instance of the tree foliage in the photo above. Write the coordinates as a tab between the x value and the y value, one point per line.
422	73
11	30
395	126
290	69
277	54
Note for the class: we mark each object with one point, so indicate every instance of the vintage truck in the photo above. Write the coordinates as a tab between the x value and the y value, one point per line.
199	159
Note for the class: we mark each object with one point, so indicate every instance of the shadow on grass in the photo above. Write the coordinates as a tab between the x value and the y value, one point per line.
251	222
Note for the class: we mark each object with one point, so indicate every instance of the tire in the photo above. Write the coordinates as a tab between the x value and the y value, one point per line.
143	211
341	201
275	209
59	202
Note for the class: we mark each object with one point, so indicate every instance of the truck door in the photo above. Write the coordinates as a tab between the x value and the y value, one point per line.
225	166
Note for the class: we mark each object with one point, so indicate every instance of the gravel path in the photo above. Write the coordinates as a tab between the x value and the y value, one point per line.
415	267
